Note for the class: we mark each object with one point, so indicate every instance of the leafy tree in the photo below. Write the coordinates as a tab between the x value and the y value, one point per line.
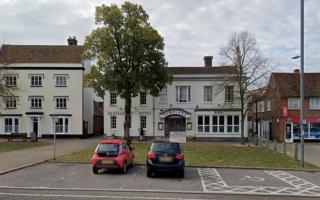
253	69
128	54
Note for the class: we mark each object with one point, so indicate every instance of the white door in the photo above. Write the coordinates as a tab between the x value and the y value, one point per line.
288	132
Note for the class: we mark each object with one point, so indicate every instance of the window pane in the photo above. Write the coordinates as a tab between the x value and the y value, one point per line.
200	128
215	129
200	120
206	120
229	129
214	120
236	129
221	129
229	120
236	120
221	120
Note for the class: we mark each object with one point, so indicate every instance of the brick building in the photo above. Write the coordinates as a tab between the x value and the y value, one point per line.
276	114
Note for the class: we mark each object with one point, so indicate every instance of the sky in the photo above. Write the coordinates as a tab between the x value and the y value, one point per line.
191	28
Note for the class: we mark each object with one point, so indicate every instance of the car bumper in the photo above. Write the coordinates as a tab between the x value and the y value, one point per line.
165	168
99	164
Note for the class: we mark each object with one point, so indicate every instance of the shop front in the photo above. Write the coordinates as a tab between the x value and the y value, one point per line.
311	129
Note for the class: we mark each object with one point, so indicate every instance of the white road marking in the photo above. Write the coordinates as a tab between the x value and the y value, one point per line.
212	181
253	178
291	179
91	196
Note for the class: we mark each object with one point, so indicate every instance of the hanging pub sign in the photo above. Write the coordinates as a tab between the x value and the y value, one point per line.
176	111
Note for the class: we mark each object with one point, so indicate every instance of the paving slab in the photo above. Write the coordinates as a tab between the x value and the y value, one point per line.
24	157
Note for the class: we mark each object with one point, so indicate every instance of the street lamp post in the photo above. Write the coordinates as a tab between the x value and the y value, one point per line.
302	122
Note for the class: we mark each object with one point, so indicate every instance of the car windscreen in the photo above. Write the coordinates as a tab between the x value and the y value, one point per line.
112	148
165	147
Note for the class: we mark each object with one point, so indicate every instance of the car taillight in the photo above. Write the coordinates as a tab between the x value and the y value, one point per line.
180	156
151	155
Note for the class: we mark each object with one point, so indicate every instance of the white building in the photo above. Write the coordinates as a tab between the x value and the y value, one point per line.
47	82
193	103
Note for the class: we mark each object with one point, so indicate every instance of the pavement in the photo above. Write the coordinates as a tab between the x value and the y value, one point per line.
22	158
76	181
311	150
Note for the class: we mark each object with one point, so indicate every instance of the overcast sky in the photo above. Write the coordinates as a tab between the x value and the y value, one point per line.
191	28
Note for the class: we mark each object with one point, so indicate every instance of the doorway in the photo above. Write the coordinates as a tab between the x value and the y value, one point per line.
174	123
35	126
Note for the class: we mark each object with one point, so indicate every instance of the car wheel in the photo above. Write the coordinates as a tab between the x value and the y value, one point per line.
125	167
95	170
149	174
181	174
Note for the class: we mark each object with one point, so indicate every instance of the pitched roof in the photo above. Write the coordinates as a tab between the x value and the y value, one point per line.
203	70
288	84
40	54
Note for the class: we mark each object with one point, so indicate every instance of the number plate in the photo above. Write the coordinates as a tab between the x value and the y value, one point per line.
107	162
166	159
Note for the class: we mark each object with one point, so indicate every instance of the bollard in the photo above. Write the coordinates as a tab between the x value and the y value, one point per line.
275	149
295	151
284	151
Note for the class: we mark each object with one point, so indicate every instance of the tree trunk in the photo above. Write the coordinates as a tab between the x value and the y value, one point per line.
127	118
242	121
242	128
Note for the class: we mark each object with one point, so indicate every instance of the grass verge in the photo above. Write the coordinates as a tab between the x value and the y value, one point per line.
12	146
210	154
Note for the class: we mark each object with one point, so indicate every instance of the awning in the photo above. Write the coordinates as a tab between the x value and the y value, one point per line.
297	119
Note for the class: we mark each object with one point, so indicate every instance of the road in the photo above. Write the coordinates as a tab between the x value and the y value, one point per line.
76	181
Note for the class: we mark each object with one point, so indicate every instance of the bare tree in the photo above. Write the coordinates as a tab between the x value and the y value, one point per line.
5	90
252	69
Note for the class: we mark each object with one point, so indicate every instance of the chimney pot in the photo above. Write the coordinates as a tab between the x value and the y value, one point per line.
207	61
72	41
296	71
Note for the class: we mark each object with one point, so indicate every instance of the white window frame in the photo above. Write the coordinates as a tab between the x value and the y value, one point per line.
143	98
219	124
229	94
181	97
261	106
113	122
294	103
233	125
61	80
268	105
143	122
204	125
11	102
164	95
207	93
36	80
36	102
314	103
11	80
64	127
61	102
14	128
113	98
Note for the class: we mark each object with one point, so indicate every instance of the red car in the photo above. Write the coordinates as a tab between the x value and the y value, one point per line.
112	154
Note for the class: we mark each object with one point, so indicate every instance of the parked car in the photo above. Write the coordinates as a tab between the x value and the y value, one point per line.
112	154
164	156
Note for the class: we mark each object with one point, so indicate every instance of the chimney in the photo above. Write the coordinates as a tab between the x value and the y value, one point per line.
207	61
296	71
72	41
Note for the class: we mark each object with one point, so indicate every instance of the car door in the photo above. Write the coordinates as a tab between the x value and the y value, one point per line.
129	153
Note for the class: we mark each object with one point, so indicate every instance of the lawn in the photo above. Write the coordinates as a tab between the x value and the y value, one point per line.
209	154
12	146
